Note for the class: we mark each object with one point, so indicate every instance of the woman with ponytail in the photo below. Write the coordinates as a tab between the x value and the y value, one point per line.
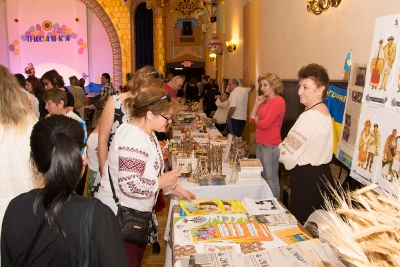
51	225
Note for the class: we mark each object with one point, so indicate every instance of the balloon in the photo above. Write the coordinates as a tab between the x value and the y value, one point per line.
38	27
11	47
16	52
80	41
15	42
81	50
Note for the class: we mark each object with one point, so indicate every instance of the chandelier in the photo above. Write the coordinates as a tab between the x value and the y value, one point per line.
319	6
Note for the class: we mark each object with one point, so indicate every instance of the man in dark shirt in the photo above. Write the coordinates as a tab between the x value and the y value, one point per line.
209	100
206	85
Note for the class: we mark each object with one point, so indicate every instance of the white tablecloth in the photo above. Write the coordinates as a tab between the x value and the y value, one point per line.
255	189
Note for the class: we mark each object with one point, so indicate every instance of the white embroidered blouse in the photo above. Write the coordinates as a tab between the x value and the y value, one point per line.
310	141
135	161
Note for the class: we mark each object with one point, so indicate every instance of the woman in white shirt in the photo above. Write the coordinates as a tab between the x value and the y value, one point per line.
135	161
308	147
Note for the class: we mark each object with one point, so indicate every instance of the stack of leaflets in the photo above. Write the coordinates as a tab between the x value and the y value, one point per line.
263	206
226	258
276	219
292	235
235	232
250	169
210	206
302	254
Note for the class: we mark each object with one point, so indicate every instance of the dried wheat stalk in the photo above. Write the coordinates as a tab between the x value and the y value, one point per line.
363	228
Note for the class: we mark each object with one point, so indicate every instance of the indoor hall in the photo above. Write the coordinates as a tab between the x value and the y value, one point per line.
220	40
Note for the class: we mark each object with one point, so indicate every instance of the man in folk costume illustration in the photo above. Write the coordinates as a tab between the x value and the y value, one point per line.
373	147
376	67
363	144
390	54
389	151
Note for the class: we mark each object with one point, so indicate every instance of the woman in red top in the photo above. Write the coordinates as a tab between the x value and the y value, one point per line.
268	112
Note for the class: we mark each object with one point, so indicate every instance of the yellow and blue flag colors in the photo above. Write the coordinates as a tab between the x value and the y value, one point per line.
336	102
347	62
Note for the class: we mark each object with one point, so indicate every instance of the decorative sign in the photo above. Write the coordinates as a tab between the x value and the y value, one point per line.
187	63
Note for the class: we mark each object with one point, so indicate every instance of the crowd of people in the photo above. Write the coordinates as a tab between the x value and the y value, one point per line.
46	223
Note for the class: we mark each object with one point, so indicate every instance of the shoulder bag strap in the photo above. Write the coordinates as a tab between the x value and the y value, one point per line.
86	228
33	244
116	199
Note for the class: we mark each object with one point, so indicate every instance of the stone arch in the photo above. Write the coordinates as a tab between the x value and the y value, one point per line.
96	8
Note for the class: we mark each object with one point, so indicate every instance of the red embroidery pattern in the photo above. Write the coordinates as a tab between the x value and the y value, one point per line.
135	150
160	162
129	164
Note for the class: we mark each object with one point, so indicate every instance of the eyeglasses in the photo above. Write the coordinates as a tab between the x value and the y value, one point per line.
155	74
168	120
167	96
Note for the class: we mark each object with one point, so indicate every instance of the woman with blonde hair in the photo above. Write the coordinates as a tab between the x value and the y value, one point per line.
16	122
267	113
114	114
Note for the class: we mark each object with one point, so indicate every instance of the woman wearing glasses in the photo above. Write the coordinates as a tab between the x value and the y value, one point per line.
114	114
135	161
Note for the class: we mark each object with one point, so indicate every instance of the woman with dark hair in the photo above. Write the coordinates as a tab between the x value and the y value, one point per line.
135	161
308	147
34	86
52	79
267	113
47	226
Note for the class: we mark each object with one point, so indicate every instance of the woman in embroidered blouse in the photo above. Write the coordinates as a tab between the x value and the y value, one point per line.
135	160
114	114
268	112
308	147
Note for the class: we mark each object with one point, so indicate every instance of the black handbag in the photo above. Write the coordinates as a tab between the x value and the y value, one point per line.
136	226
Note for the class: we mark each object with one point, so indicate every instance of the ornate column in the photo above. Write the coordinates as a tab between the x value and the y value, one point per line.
159	33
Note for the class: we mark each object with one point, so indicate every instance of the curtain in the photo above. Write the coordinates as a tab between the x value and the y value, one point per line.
144	36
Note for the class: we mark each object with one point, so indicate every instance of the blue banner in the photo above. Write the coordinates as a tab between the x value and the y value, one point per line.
336	102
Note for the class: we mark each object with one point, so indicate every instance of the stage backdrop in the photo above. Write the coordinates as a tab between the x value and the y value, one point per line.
54	35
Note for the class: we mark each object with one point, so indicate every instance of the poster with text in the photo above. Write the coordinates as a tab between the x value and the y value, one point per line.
376	156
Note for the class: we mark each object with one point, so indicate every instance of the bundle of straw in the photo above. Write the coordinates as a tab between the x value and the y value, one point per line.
363	228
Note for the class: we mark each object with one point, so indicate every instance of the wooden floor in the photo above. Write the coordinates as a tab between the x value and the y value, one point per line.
157	260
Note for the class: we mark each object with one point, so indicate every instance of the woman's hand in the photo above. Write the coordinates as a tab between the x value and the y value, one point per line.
183	194
169	178
259	100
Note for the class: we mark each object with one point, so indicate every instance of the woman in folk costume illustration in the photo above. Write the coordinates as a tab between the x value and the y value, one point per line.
376	66
363	144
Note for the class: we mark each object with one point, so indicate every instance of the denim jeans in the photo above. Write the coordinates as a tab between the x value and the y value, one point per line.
268	155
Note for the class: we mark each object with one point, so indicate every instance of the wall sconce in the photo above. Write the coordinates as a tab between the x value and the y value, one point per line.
319	6
231	45
212	56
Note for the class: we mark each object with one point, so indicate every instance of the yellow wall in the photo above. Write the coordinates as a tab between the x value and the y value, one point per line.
291	37
233	62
